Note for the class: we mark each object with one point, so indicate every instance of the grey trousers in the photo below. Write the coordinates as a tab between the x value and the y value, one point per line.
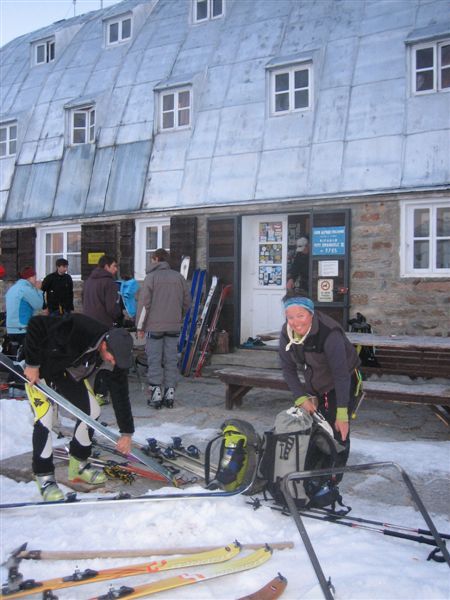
162	358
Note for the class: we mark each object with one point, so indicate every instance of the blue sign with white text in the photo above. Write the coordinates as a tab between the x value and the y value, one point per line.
329	241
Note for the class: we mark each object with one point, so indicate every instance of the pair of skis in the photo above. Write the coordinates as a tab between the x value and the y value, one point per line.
17	587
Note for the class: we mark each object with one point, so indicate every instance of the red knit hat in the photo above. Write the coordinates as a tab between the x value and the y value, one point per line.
2	271
27	273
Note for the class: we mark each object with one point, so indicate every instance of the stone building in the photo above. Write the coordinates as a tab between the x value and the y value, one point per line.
229	129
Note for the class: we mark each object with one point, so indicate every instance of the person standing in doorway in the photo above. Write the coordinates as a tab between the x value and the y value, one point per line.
298	276
163	301
57	288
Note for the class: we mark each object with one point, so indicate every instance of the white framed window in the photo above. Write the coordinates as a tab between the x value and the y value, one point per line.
175	109
58	242
44	51
431	67
205	10
82	125
8	139
291	89
425	239
151	234
118	30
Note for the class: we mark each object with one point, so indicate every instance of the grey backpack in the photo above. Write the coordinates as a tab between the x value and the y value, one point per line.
284	451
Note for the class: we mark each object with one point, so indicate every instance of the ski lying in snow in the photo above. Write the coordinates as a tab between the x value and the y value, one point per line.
255	559
165	475
23	554
30	586
270	591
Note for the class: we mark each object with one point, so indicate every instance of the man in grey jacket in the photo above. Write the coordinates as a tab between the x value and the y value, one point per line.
163	301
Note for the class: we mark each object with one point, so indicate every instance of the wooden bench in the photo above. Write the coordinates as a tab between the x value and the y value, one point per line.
240	380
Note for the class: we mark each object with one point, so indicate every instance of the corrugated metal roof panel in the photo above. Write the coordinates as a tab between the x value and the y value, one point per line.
95	203
33	191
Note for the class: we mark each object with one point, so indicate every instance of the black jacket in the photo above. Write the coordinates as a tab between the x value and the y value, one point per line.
101	299
58	292
326	359
61	345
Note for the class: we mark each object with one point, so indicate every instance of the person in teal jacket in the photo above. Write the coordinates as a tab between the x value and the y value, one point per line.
23	300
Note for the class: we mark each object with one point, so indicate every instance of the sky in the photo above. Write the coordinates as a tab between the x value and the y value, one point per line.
18	17
362	564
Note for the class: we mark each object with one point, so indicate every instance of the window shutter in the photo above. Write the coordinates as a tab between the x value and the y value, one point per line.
183	241
18	251
97	238
9	253
126	261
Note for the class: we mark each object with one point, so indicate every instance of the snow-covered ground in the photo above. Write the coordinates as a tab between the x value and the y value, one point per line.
362	564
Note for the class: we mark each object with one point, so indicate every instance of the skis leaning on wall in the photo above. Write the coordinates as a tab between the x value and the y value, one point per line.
207	344
194	312
200	327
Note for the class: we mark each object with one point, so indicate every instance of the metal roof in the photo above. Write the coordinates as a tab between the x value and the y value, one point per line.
365	132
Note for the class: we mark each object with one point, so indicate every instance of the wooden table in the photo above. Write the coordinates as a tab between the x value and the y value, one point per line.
413	342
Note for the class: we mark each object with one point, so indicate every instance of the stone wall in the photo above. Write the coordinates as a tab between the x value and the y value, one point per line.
391	304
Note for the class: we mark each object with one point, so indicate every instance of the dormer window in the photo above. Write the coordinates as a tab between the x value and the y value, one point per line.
8	139
118	30
175	109
204	10
83	125
44	51
431	67
291	89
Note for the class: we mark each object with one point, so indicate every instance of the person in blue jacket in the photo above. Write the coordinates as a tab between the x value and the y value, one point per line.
23	300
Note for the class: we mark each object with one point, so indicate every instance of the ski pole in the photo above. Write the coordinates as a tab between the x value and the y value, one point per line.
407	536
334	517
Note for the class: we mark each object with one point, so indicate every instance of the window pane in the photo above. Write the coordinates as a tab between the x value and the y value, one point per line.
445	78
421	222
113	32
148	261
12	147
301	79
445	55
74	241
424	81
201	10
40	53
49	266
167	121
13	132
281	82
421	255
168	102
74	263
183	99
2	148
151	238
52	51
443	222
217	8
79	136
3	134
301	99
443	254
57	243
79	119
183	117
424	58
126	29
166	237
281	102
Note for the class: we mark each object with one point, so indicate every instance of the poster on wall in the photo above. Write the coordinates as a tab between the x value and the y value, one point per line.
270	253
270	276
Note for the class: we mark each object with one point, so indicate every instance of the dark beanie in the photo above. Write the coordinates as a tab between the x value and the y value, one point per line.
120	344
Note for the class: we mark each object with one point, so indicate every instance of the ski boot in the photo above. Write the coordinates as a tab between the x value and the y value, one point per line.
48	488
156	399
169	395
80	471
